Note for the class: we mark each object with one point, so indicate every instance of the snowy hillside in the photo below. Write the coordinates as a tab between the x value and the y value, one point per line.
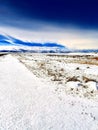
10	44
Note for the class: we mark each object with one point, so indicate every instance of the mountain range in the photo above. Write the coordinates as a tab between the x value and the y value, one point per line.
11	44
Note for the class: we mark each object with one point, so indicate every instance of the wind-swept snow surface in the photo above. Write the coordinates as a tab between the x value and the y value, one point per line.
28	104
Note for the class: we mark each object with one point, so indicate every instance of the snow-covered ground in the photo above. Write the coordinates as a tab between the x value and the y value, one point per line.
27	102
73	73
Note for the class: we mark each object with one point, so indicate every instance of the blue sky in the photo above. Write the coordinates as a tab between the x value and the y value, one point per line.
73	23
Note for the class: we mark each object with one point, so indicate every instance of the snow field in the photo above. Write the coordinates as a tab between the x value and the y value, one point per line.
29	103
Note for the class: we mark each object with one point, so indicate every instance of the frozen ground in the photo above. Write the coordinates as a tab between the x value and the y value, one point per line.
28	102
76	74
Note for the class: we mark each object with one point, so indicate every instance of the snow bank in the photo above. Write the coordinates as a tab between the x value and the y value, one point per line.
91	85
72	85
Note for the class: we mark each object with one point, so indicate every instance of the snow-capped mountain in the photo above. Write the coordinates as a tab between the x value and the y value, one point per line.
8	43
85	51
11	44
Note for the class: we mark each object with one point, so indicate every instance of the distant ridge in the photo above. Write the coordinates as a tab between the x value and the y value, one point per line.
84	51
11	44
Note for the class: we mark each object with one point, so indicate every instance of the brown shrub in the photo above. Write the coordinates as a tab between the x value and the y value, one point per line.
72	79
85	79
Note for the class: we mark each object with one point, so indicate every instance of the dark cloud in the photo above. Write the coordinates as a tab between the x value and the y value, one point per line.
82	13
